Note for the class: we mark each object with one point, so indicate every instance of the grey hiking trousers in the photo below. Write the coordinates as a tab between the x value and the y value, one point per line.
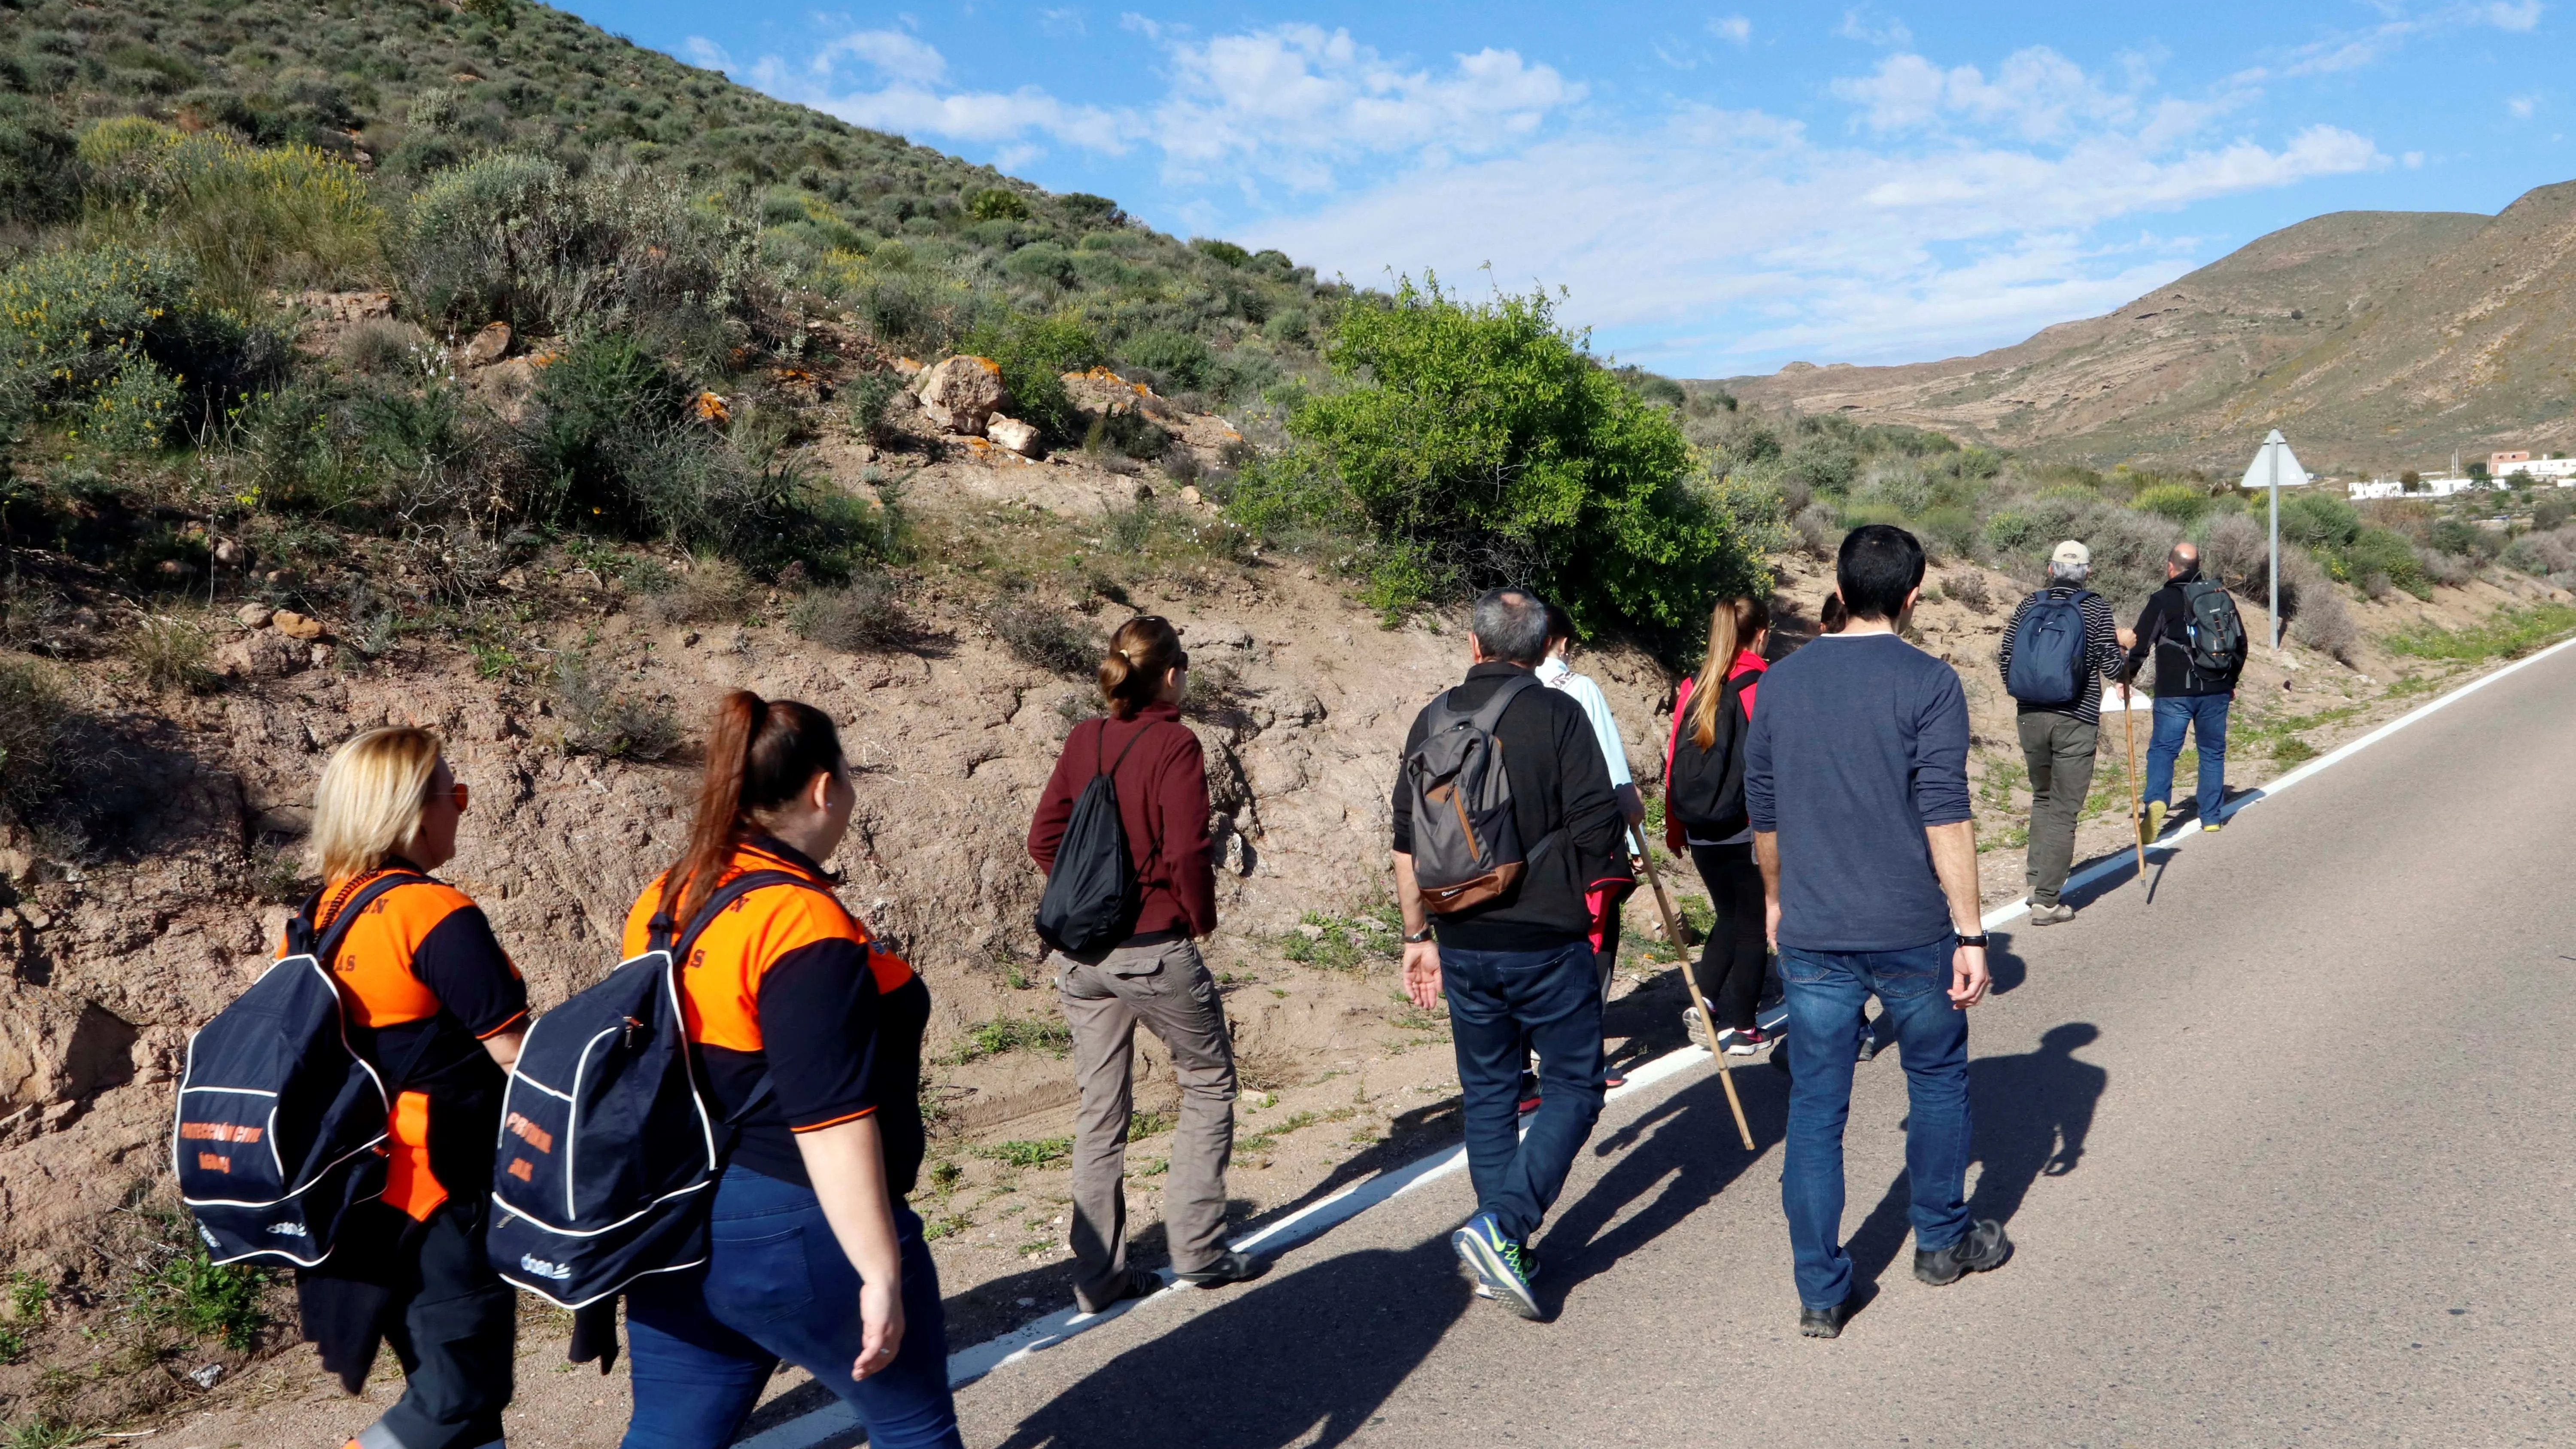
2058	750
1162	983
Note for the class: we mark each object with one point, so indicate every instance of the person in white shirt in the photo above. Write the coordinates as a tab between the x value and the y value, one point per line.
1556	673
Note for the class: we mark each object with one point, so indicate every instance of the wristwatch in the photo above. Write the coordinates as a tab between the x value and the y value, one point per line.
1418	937
1978	940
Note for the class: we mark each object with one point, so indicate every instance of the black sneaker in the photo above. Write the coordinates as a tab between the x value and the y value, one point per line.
1828	1322
1230	1267
1981	1249
1140	1283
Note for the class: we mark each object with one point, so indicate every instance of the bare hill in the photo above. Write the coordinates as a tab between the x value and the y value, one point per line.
2377	339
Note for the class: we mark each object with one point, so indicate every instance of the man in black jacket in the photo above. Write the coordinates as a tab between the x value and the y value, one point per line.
2185	696
1517	969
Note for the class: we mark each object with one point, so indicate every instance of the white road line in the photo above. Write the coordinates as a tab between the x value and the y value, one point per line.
969	1364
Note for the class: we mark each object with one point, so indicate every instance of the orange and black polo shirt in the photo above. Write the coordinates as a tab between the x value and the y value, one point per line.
786	982
423	982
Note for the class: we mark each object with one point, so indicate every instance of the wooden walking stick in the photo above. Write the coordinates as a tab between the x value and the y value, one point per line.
2129	727
1707	1019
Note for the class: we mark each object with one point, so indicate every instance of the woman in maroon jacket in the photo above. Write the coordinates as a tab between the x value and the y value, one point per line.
1154	976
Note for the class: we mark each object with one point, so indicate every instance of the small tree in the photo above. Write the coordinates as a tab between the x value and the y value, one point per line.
1483	445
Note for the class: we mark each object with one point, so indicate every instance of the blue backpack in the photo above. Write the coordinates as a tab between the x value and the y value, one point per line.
281	1123
609	1156
2048	656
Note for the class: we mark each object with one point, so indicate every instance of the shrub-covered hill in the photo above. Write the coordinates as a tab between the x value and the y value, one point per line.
924	246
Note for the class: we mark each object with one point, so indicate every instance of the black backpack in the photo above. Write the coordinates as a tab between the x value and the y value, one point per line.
1705	788
2048	654
1093	892
281	1123
2213	634
1466	846
609	1156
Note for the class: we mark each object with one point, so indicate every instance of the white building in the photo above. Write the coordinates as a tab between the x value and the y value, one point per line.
2561	471
2424	488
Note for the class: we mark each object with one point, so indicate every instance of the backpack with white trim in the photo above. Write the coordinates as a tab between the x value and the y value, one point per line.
281	1124
609	1155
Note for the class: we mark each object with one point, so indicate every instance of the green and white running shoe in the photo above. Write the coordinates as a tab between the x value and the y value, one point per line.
1502	1268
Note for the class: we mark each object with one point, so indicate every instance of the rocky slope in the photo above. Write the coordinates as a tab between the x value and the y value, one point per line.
2377	340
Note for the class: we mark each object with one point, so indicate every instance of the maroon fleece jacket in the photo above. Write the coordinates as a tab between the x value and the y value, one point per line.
1162	801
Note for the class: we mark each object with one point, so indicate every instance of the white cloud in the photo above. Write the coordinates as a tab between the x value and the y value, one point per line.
2412	160
1847	251
1292	100
2521	107
1870	28
1733	29
2353	50
896	54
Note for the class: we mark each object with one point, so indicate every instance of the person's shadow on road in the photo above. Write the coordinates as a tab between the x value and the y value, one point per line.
2033	1112
1684	1151
1305	1357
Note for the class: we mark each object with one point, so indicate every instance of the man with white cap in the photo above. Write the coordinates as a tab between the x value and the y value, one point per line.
2058	649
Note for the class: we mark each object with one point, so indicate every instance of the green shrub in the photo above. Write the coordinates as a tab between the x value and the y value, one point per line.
212	1300
1034	353
1177	359
2509	633
1224	251
2319	520
169	653
40	175
867	615
996	204
1004	1034
77	326
249	217
2180	502
1043	638
2553	508
1041	262
134	410
1481	445
2457	536
515	238
868	398
2009	532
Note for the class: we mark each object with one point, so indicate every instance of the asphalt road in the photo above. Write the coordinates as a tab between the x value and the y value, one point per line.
2320	1110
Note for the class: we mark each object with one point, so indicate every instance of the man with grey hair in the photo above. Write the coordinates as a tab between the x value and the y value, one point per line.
1514	956
2065	644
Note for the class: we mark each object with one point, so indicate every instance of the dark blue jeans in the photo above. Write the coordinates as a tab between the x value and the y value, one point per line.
1502	1005
1827	991
2206	714
776	1285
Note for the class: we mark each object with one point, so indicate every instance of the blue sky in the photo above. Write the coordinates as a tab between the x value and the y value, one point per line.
1719	189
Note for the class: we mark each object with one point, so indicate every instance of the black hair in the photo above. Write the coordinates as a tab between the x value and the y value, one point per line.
1879	565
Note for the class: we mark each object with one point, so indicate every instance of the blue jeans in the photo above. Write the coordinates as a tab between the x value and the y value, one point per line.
777	1285
1827	991
1502	1005
2206	714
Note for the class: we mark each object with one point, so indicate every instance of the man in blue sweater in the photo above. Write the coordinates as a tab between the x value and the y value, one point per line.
1856	779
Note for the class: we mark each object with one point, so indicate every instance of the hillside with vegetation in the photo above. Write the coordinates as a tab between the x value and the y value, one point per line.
2379	341
466	366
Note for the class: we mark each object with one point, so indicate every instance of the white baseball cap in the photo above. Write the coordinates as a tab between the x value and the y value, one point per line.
2072	554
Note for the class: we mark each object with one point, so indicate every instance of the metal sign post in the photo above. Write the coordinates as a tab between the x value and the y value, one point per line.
2274	468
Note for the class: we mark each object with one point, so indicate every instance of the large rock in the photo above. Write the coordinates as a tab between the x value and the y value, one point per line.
962	392
266	654
1011	433
489	345
1103	393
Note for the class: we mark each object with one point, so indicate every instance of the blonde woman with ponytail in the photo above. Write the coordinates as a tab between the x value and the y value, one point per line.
1732	963
1153	977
